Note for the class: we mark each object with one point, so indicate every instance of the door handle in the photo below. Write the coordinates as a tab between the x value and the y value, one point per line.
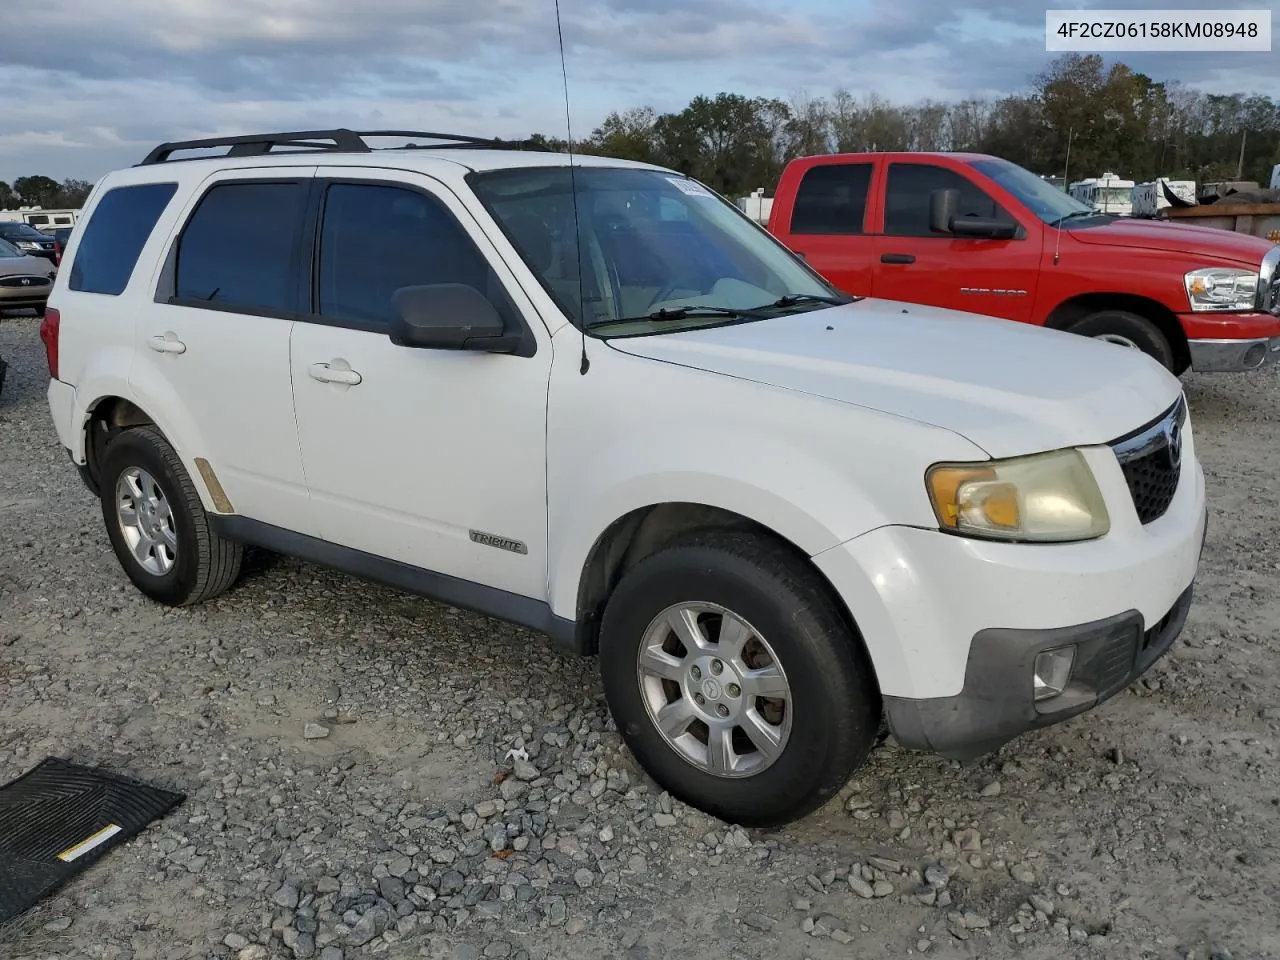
897	258
169	343
335	371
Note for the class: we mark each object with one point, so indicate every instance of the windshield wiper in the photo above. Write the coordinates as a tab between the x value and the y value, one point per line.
793	299
682	313
1072	215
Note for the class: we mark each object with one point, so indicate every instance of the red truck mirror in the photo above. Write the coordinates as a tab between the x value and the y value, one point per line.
942	219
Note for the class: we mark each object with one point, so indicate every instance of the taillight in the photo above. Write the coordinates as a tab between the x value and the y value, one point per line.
49	334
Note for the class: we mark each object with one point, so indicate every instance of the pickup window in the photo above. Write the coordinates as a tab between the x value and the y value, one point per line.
832	199
907	198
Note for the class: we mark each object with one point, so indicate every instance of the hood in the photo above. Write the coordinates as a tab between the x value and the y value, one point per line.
1176	238
27	265
1011	388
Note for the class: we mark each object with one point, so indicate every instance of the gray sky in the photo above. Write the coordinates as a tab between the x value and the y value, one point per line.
93	84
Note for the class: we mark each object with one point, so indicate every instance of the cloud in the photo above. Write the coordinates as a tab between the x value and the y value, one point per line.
117	76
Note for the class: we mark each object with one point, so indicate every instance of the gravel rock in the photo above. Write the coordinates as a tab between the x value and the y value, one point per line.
486	774
861	887
315	731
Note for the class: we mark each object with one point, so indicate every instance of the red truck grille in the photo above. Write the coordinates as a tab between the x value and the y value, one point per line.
1151	460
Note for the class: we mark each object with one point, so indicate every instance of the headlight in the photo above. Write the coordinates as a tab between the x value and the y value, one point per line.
1044	498
28	245
1221	288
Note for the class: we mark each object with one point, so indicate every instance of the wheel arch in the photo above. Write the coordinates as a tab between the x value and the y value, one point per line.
1076	308
107	414
645	530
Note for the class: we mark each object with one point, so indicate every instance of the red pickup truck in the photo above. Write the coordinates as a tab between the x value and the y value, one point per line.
977	233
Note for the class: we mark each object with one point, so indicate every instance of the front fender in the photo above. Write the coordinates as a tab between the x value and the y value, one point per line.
803	468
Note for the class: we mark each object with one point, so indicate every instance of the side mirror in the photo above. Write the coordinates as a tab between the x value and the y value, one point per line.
943	205
448	316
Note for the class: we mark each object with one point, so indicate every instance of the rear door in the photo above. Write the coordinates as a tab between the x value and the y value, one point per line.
996	277
211	356
828	223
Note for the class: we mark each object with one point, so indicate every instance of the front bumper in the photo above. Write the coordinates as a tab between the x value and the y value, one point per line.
1233	356
997	703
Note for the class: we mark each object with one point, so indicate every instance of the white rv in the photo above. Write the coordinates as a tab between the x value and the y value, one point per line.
1275	177
1106	194
40	218
1156	195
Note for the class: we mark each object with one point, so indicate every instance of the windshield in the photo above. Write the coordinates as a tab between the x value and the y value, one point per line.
648	241
1039	196
1114	195
21	231
7	249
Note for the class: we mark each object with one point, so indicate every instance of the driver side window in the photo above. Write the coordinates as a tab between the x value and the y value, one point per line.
376	239
907	198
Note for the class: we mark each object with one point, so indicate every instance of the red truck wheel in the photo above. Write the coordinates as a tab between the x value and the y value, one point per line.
1127	330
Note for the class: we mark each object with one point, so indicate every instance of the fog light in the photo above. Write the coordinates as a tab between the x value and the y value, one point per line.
1053	672
1254	356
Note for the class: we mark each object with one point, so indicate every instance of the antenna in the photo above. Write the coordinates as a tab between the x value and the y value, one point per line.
573	193
1066	185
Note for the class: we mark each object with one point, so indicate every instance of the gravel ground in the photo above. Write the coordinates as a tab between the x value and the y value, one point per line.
347	752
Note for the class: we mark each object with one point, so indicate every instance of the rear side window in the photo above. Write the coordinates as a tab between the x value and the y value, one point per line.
832	199
237	250
113	238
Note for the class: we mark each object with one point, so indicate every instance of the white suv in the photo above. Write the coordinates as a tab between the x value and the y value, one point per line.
593	398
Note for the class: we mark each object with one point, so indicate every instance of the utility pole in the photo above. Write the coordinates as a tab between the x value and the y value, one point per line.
1240	166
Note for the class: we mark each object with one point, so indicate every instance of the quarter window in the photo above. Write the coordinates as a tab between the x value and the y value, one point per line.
118	229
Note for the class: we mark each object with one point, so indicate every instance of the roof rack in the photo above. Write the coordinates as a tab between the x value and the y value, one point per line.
340	140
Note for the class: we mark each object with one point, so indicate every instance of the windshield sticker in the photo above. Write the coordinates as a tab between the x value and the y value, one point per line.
691	187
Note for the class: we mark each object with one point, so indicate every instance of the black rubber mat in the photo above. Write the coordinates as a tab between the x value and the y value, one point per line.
58	819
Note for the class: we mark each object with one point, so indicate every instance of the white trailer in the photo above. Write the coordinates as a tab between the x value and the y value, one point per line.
1108	193
756	206
1154	196
40	218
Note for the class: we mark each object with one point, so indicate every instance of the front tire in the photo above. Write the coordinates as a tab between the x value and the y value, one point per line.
734	679
1127	330
158	526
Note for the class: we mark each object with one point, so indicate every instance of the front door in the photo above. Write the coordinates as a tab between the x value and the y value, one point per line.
915	265
435	458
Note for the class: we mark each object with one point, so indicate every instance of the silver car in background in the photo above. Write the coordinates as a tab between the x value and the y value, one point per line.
25	280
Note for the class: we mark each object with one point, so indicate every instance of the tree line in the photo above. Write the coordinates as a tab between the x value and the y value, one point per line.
40	191
1113	118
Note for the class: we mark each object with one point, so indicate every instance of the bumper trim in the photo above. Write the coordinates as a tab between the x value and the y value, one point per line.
997	705
1233	356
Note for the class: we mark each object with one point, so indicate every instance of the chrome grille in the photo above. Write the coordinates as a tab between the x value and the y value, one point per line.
1151	460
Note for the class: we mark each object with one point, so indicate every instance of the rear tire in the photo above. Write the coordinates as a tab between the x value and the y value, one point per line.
747	593
1127	330
158	526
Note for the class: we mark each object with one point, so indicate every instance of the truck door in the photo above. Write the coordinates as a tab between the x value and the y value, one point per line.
996	277
828	222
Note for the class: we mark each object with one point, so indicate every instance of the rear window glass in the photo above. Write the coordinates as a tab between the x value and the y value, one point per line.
237	249
832	199
116	232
